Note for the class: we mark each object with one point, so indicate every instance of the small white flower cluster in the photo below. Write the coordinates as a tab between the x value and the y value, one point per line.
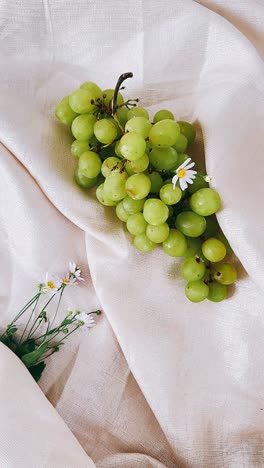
53	284
83	318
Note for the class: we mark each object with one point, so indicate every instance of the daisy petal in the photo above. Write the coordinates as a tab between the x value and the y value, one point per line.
191	172
174	180
189	180
184	164
190	176
72	267
190	165
183	184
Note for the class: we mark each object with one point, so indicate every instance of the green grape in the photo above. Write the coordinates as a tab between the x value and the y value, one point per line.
136	224
102	198
90	164
193	246
158	233
214	250
121	213
117	149
196	291
163	159
109	165
94	89
164	133
129	170
138	186
142	243
108	95
220	235
162	115
132	146
105	131
188	131
225	274
156	182
170	194
139	125
140	165
175	245
155	211
212	227
79	147
205	202
181	158
81	101
83	127
193	269
82	181
197	184
114	185
133	206
64	112
137	112
190	224
181	144
217	292
121	114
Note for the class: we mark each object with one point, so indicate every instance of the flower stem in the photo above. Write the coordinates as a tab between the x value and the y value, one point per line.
20	313
31	331
29	304
30	317
58	305
66	336
120	80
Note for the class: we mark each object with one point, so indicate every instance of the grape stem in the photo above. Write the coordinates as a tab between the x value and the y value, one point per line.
120	80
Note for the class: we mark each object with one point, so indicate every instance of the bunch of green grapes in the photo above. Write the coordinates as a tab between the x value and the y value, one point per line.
142	169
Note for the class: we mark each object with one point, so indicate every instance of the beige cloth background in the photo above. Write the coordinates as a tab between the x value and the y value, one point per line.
159	382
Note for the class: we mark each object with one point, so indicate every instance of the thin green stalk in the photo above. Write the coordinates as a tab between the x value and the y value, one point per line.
58	305
66	336
53	337
31	331
30	317
21	312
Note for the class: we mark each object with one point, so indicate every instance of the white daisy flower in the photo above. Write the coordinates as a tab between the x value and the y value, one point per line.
68	280
184	174
75	271
50	284
86	319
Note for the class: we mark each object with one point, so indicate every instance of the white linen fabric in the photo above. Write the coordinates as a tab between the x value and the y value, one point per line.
26	418
159	382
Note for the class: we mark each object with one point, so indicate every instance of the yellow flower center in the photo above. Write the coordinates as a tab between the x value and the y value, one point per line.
65	280
51	285
181	173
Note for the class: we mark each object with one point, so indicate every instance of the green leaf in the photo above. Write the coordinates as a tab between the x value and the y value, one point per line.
26	347
11	330
30	359
36	371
